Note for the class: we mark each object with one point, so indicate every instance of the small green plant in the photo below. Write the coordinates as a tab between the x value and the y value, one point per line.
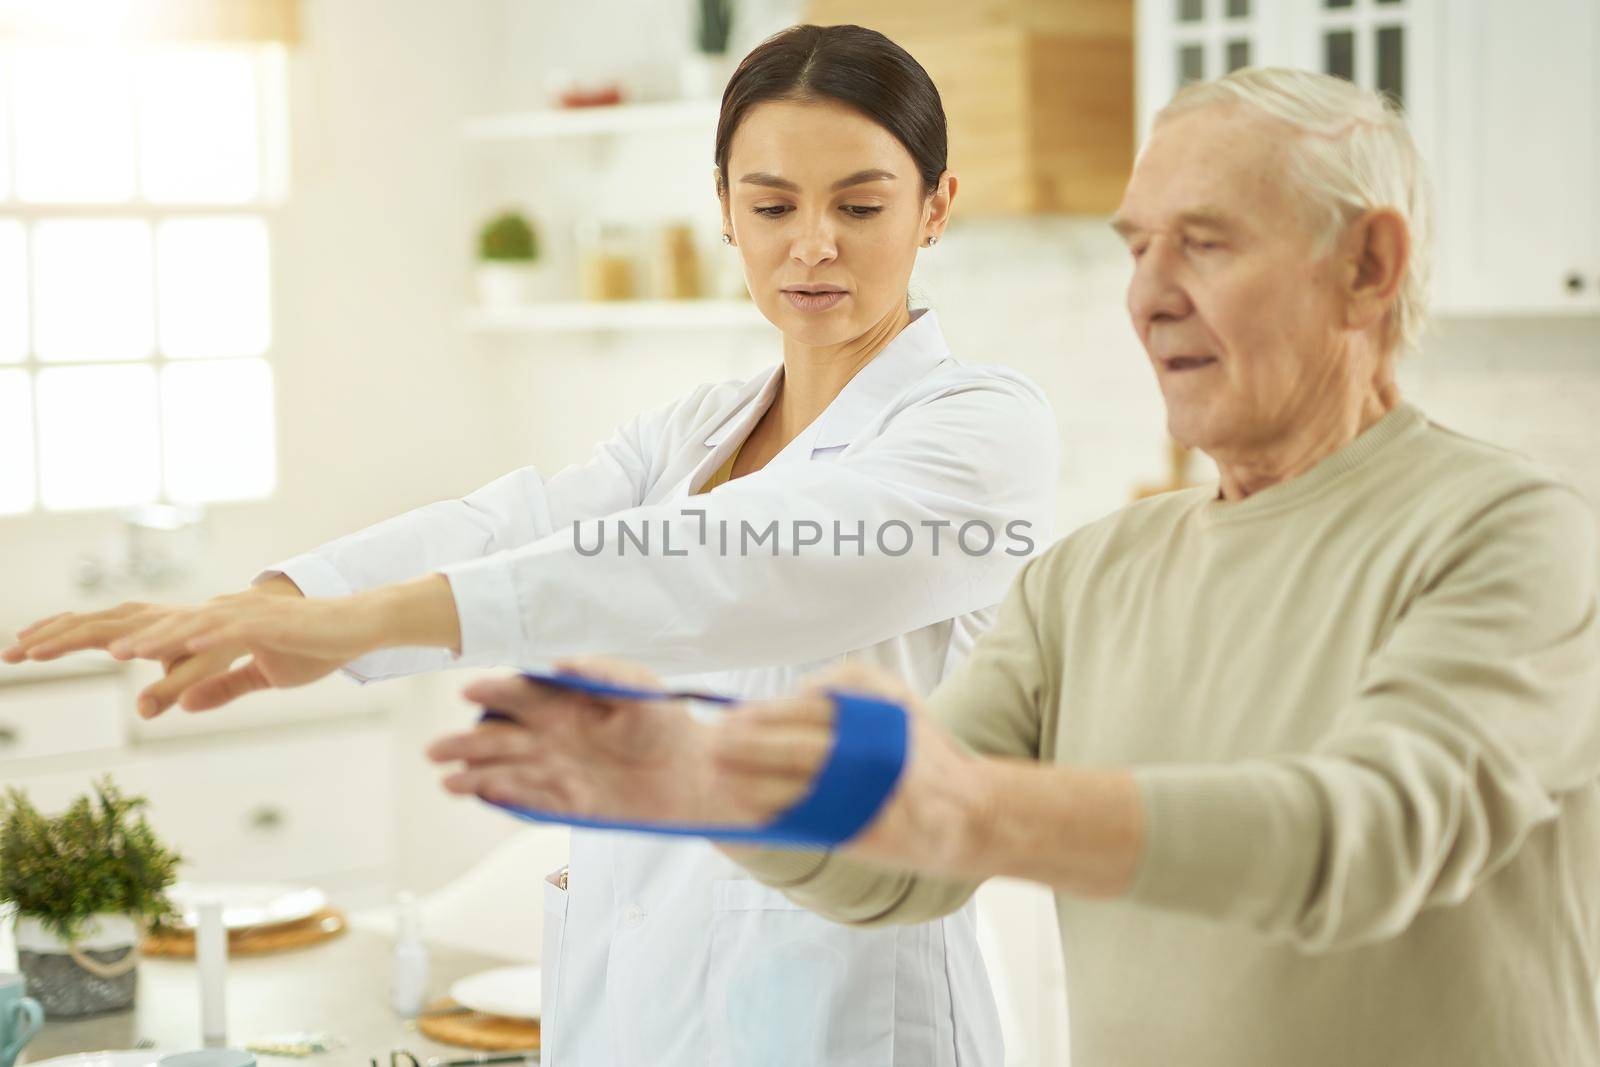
508	237
98	856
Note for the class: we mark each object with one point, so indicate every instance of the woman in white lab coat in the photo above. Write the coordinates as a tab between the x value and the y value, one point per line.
870	497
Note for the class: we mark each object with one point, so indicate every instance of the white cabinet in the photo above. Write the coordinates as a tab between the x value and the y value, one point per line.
1519	169
1504	101
311	804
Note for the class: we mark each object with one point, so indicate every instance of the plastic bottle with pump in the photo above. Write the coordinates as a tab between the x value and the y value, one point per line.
408	980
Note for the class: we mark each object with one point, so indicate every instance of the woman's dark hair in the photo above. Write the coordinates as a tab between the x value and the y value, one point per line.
850	64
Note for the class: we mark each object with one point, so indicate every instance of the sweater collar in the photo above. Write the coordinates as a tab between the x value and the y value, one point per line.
1380	437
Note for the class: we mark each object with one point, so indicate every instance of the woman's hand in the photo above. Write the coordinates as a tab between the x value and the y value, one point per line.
290	640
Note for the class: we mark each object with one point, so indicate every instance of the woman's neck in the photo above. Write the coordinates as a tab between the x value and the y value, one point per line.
814	375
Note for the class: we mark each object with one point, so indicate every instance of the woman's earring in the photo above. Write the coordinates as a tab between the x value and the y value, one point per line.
932	240
727	238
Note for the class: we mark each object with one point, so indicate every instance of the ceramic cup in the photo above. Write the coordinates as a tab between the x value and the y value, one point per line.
20	1017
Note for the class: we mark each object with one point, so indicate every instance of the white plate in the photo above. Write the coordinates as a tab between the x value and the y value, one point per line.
247	904
147	1057
510	992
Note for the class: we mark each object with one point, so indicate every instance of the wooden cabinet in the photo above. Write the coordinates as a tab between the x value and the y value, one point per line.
1503	99
1038	95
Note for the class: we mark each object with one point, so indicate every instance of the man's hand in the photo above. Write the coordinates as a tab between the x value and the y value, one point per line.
579	755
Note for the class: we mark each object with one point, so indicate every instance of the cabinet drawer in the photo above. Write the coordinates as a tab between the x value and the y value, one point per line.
285	808
57	718
281	809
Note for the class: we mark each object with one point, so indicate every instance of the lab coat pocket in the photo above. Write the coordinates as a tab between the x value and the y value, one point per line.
787	987
555	927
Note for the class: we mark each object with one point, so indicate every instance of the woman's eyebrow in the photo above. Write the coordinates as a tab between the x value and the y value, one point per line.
860	177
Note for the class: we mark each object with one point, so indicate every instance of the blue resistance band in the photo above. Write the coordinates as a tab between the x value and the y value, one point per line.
868	755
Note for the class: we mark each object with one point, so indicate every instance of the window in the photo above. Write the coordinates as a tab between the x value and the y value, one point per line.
137	194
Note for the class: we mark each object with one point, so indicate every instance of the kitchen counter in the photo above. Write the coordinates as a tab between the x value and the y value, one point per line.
340	988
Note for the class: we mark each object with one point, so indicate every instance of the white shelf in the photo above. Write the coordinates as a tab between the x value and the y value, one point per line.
554	123
618	316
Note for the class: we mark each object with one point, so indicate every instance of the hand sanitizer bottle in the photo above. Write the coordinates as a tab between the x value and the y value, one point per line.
408	981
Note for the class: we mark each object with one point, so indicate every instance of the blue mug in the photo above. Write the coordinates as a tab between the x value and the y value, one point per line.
20	1017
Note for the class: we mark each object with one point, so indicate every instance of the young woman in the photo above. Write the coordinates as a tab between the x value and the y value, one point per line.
868	497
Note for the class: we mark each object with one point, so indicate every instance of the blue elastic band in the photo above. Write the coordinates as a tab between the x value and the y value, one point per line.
868	755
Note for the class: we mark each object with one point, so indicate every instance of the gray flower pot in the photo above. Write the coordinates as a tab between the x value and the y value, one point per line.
96	973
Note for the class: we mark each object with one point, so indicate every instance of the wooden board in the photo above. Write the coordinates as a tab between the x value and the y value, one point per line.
259	941
475	1030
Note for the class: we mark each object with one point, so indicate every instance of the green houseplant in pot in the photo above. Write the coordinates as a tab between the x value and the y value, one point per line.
84	885
508	261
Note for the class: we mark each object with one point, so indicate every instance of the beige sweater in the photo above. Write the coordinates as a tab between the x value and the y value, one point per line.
1363	711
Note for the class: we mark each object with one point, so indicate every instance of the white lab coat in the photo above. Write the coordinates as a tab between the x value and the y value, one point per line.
663	952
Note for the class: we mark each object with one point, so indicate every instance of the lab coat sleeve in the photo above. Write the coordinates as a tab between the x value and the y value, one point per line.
515	510
729	580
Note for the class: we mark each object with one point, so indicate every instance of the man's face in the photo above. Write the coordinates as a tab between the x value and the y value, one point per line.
1240	313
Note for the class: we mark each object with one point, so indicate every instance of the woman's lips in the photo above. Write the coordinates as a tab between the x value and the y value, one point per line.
814	301
1177	363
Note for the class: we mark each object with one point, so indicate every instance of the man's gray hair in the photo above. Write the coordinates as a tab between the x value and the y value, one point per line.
1355	155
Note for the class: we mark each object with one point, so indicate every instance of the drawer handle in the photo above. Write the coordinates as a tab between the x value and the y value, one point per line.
9	736
266	820
1576	282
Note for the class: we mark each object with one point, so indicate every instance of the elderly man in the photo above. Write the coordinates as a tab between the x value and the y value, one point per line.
1309	757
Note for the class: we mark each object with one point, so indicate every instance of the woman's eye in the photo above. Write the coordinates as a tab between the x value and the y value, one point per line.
1198	245
772	212
861	211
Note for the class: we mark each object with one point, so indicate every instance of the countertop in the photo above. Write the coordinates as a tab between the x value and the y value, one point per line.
340	988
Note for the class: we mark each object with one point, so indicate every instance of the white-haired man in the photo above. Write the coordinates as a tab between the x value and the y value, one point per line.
1311	756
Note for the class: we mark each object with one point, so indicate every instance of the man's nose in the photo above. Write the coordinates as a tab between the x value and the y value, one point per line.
1156	291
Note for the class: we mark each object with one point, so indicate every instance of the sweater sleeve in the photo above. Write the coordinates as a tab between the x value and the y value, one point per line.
1479	709
993	704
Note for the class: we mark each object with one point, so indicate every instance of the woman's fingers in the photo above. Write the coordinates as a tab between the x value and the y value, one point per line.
164	639
39	624
54	642
219	689
180	675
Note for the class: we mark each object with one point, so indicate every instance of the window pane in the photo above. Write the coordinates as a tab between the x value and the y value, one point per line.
1191	64
214	289
1339	54
74	125
1238	9
1191	10
1391	63
219	434
198	117
92	289
98	440
16	443
1238	54
13	292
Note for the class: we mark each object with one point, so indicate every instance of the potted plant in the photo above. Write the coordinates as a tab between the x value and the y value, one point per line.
508	255
84	885
705	72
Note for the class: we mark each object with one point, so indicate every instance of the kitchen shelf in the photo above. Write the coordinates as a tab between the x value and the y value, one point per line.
556	123
616	316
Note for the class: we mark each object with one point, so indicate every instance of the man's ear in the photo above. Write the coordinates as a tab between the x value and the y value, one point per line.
1376	252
